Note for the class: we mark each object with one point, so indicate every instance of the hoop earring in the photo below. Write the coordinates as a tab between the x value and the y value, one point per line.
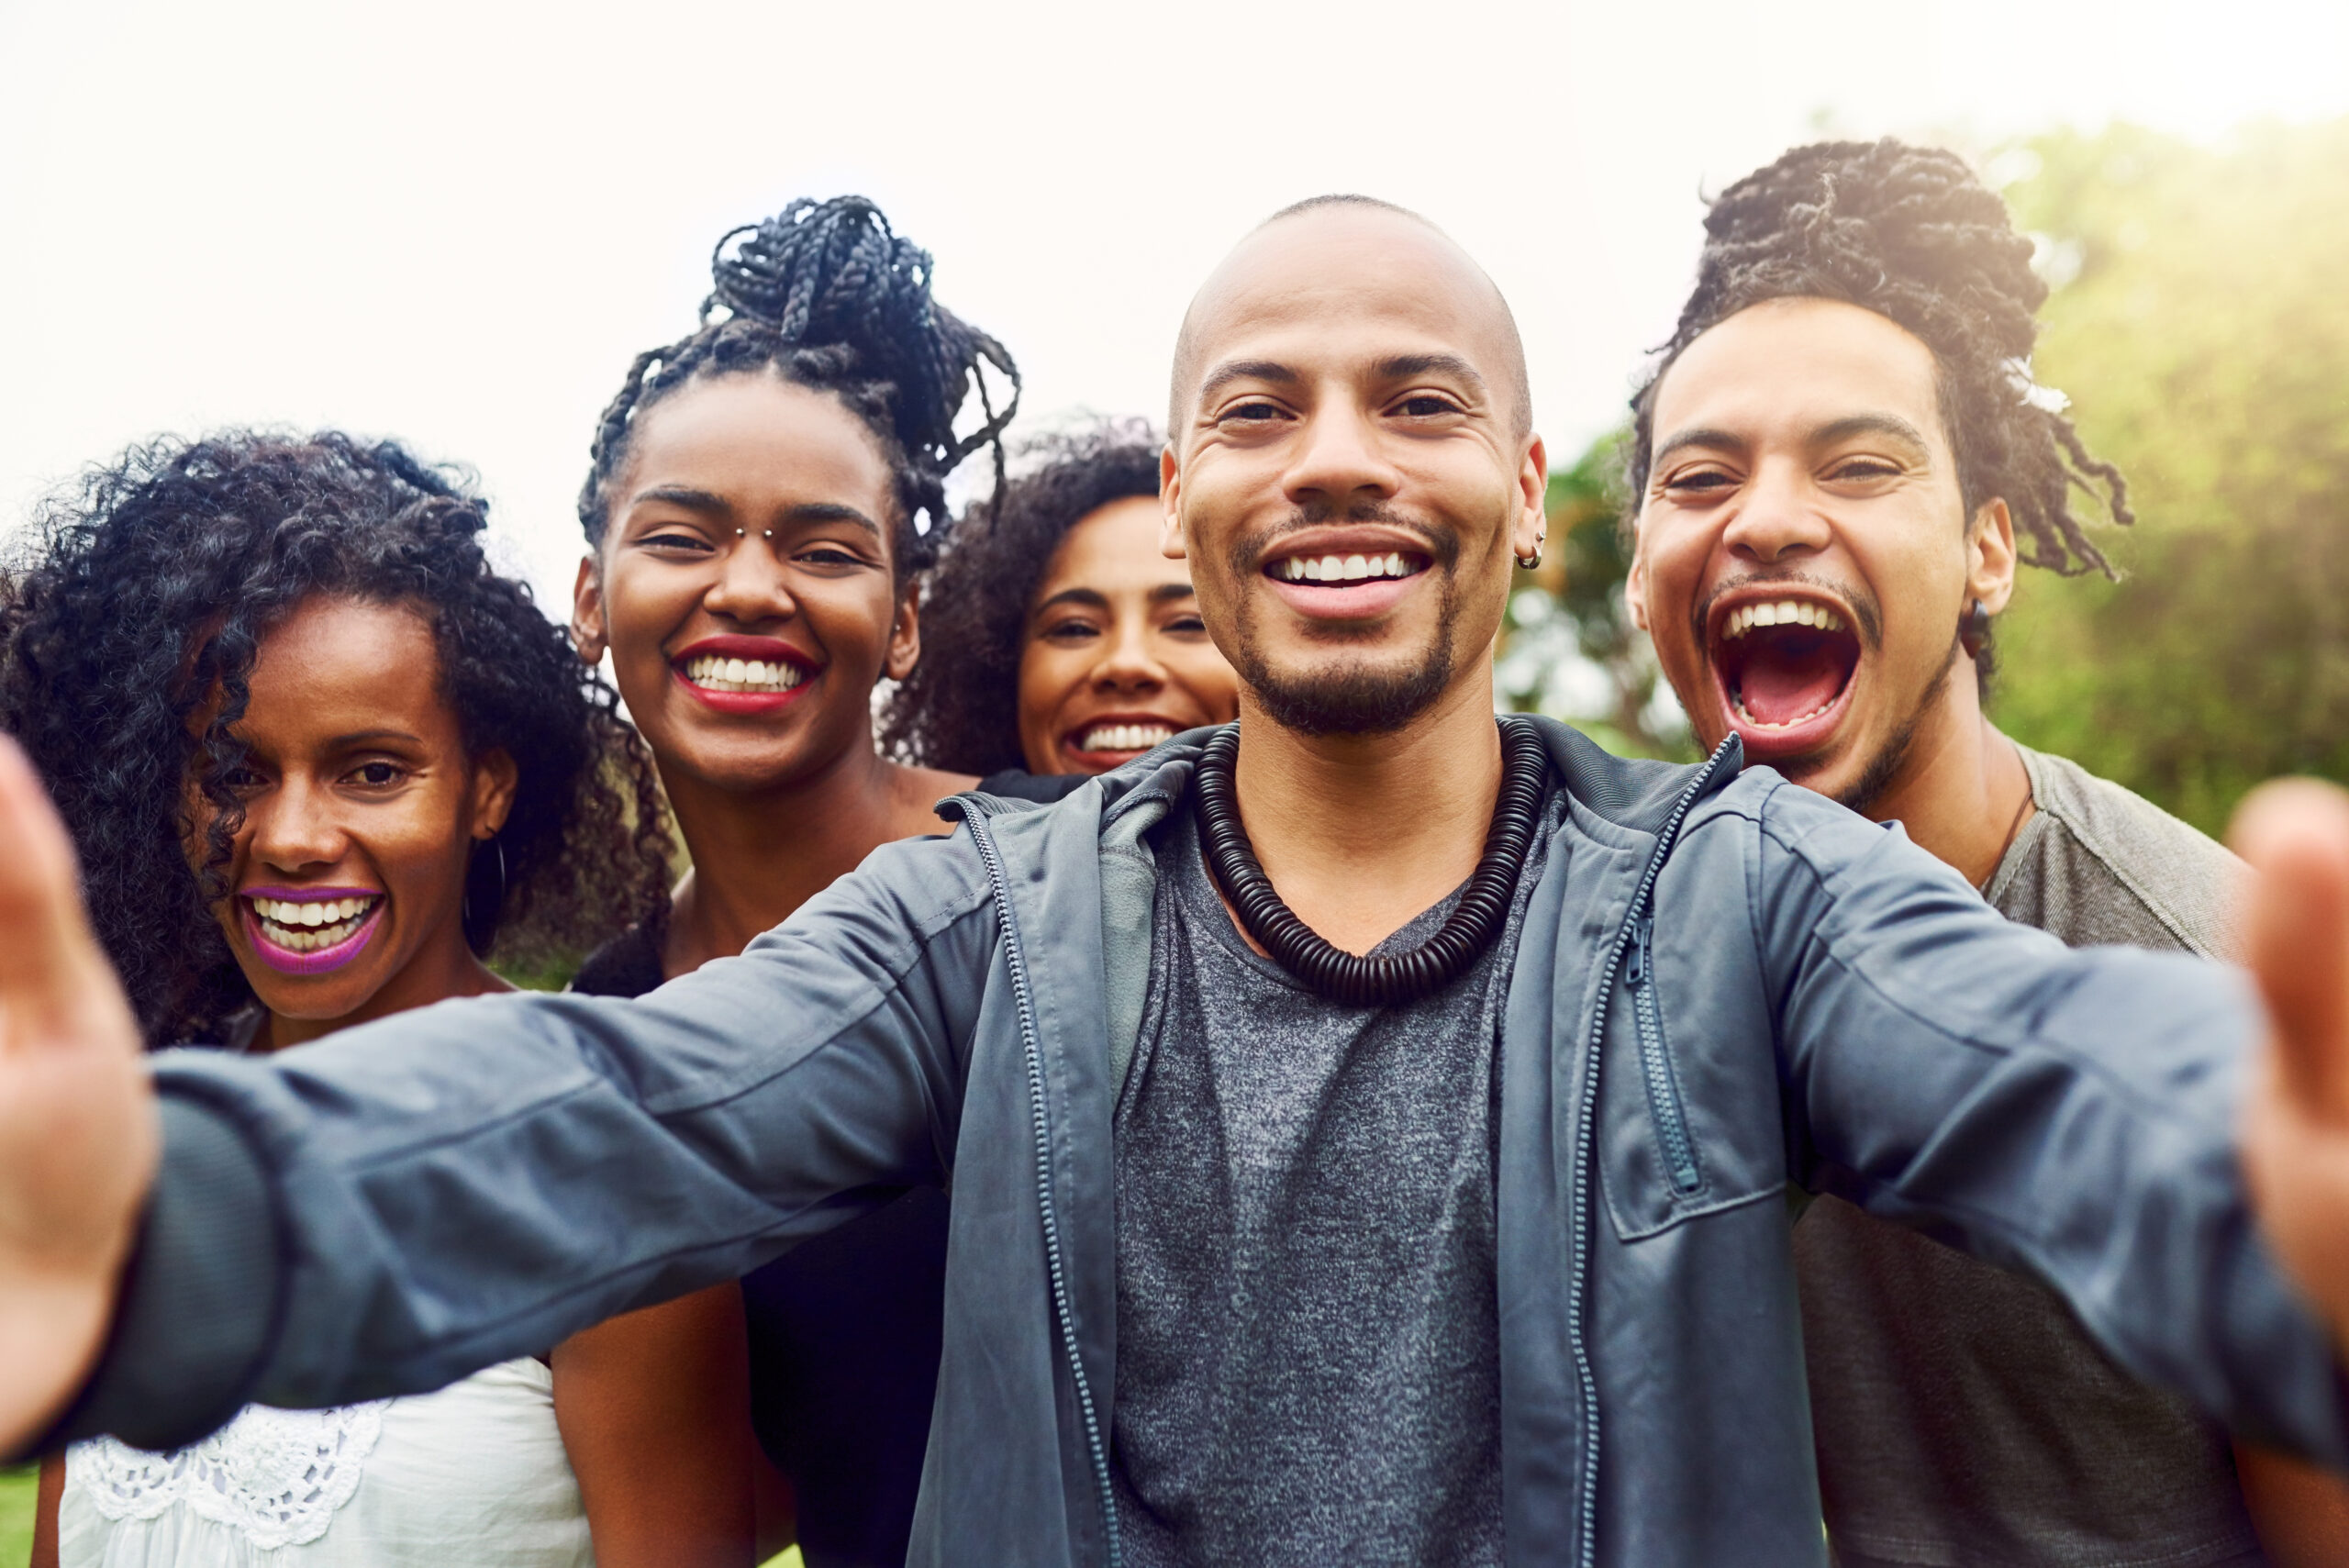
1974	629
465	917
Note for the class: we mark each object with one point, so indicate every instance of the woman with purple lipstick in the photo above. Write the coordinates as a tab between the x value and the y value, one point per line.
321	763
766	494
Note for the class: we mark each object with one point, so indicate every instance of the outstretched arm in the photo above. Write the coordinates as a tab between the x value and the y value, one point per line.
77	1119
2072	1113
415	1198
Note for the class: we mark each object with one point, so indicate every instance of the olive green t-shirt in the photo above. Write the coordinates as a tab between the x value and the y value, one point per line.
1963	1418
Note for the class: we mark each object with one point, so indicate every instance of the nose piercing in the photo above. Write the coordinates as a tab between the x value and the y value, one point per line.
764	533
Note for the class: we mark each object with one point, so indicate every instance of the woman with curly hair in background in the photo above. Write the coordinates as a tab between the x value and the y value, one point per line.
1066	643
765	497
321	763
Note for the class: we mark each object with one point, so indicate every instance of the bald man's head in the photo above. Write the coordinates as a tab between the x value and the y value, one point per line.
1309	254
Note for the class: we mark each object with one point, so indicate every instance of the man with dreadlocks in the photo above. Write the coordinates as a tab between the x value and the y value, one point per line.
1369	1122
1836	457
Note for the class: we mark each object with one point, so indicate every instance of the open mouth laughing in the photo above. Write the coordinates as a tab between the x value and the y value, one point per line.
1785	662
309	930
743	674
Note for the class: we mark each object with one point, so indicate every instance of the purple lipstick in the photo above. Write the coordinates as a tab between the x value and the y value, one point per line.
309	930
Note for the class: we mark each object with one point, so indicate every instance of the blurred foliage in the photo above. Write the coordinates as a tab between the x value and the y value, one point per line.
1568	648
2200	327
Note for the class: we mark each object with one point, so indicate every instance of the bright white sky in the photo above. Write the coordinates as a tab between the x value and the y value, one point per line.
455	223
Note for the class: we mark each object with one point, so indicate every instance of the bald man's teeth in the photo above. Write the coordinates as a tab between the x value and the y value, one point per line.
1785	612
308	924
713	673
1124	736
1341	568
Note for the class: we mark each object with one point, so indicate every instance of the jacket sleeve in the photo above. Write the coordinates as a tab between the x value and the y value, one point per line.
2067	1112
419	1198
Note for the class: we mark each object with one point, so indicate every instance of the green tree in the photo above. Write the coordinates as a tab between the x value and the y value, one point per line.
2200	326
1568	648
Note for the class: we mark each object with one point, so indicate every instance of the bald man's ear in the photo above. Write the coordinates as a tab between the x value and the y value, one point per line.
1170	501
1533	493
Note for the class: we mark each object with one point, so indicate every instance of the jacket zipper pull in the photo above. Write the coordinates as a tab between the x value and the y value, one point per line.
1635	973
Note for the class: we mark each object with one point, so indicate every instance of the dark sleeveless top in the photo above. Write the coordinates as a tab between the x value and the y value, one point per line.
844	1342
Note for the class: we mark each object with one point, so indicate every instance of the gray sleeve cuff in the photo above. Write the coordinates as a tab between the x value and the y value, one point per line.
200	1298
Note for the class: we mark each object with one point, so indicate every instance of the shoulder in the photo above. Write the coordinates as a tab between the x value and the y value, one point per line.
1013	784
2171	874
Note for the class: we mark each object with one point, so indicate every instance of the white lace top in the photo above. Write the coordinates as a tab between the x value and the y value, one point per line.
475	1475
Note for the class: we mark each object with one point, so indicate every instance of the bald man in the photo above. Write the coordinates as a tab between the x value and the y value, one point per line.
1368	1126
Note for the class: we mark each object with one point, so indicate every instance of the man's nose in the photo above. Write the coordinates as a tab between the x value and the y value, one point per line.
1775	518
1340	459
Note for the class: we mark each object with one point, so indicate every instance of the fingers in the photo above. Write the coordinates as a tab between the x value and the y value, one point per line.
48	960
2295	834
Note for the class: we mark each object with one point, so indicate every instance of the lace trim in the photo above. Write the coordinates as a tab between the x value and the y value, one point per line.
276	1476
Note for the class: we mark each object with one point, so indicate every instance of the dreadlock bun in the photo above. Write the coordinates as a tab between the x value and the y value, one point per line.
834	272
825	295
1910	232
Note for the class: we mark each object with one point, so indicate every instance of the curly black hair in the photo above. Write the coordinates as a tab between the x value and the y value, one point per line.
826	295
139	608
1909	233
959	708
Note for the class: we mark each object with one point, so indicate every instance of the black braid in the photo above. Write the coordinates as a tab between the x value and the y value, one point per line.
1909	233
826	295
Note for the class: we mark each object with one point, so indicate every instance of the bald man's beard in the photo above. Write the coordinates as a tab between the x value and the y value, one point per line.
1350	696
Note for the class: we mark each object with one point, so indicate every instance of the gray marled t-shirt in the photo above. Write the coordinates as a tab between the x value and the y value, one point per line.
1308	1365
1964	1418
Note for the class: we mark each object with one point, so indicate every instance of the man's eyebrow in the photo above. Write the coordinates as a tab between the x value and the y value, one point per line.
1681	440
1224	374
1404	366
1166	592
1890	424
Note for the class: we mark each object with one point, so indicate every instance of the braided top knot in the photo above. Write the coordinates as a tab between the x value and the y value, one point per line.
1909	233
828	296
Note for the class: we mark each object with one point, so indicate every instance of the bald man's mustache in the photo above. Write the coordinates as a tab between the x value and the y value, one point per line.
1248	553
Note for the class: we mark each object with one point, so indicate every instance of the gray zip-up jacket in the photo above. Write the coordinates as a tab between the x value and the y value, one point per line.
1728	991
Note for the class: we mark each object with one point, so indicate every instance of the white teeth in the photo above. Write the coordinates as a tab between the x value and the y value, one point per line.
715	672
1785	612
1341	568
308	924
1124	736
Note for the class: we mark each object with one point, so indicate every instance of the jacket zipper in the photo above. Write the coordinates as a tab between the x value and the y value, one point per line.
1664	1094
1586	1120
974	818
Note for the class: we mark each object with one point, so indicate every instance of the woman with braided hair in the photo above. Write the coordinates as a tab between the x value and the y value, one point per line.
1837	464
764	495
342	763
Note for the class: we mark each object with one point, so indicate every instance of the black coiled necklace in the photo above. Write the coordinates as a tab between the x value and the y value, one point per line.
1347	978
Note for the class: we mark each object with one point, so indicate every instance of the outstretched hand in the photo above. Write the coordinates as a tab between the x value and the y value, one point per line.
77	1119
2295	833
